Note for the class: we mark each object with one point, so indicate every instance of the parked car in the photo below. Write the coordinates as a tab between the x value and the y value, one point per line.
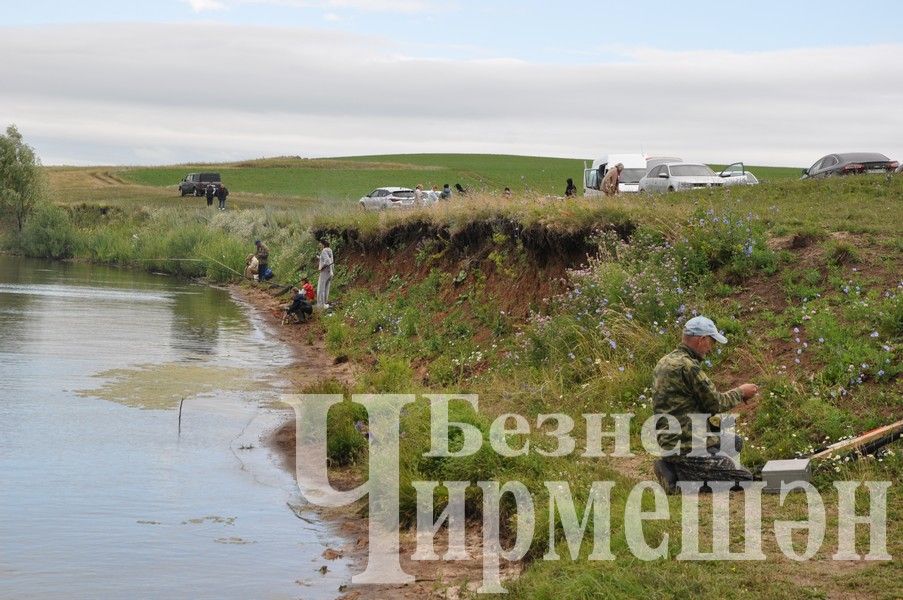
654	161
736	174
677	177
388	197
899	168
196	183
850	163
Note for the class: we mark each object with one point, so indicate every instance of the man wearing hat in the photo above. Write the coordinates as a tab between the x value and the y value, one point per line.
680	388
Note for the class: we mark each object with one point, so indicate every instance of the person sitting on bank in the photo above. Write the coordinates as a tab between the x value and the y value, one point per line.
251	267
680	388
300	307
308	289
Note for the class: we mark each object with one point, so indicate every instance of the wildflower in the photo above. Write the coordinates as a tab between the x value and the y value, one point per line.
874	334
613	344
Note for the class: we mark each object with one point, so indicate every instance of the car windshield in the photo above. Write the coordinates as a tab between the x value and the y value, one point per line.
691	171
631	175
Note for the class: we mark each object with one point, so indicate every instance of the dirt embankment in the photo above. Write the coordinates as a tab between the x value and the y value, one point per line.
433	579
518	268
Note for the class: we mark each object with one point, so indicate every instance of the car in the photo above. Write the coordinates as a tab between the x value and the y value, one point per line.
196	183
899	168
388	197
736	174
678	177
850	163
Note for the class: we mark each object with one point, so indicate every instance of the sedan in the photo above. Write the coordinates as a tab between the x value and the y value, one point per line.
850	163
388	197
736	174
675	177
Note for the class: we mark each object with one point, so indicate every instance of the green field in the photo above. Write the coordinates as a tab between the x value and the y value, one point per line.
349	178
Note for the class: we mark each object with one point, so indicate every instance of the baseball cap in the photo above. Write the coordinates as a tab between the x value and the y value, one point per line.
701	326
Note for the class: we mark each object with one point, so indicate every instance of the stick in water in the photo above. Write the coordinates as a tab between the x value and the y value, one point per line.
180	416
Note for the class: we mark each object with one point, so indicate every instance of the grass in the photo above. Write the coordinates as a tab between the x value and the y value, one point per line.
468	296
349	178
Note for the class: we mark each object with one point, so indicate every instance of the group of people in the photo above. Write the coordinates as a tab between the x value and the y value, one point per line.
423	198
220	193
609	186
304	296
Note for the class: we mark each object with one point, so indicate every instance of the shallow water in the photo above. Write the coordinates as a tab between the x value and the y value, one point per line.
101	497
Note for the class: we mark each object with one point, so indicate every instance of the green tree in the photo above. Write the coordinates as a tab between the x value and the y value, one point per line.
20	176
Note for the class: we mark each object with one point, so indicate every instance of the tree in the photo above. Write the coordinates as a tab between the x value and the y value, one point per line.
20	176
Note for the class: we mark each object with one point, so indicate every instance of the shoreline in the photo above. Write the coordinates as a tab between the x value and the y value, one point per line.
433	579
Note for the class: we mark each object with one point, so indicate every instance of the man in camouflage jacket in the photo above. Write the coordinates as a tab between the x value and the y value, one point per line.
681	388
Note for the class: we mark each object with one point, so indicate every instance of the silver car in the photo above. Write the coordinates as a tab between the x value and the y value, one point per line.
388	197
736	174
678	177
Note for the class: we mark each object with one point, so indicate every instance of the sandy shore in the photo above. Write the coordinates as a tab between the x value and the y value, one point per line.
433	579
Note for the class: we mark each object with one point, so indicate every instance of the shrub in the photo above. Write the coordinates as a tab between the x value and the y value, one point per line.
48	233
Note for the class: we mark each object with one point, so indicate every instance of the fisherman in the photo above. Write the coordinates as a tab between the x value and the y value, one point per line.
300	306
308	289
326	267
680	388
263	255
610	181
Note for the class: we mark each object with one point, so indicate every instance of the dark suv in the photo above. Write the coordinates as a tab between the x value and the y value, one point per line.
196	183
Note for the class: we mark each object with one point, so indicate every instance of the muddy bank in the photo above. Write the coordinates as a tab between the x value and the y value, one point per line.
433	579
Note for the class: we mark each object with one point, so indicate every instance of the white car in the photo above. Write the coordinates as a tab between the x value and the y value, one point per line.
679	177
736	174
388	197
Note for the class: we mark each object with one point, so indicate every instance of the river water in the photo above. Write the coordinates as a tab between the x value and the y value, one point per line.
101	496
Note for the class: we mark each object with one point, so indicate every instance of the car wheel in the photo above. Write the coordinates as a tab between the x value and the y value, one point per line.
181	191
670	189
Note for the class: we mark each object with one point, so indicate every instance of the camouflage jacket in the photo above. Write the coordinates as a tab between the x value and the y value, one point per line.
680	388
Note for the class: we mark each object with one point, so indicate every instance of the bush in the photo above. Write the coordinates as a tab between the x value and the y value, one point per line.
48	233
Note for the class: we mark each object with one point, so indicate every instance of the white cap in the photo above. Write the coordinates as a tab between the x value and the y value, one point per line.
701	326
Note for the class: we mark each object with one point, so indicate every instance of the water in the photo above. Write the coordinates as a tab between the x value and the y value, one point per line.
100	496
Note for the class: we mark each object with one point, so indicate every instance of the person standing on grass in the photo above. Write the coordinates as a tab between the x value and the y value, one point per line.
610	181
209	192
571	190
263	257
327	270
680	388
418	195
221	194
446	193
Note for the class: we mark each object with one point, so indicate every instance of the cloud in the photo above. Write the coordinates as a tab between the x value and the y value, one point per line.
205	5
90	93
384	6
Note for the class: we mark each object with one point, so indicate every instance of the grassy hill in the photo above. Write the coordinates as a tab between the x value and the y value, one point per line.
349	178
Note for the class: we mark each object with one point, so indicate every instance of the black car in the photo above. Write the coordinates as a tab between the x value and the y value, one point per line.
850	163
196	183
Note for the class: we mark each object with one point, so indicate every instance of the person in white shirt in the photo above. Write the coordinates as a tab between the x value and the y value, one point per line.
327	270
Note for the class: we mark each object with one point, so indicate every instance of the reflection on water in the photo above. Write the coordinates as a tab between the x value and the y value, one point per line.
103	500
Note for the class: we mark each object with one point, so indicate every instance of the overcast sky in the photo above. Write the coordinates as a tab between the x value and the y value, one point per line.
108	82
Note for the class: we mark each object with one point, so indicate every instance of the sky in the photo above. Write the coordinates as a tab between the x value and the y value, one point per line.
173	81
